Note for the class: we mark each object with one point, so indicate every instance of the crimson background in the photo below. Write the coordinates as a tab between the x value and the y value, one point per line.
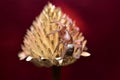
98	20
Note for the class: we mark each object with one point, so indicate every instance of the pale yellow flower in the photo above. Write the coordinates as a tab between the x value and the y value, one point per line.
53	39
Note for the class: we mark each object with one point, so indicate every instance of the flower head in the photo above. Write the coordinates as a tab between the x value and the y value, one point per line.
53	39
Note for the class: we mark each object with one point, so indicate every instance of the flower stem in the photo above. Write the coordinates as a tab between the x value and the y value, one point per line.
56	73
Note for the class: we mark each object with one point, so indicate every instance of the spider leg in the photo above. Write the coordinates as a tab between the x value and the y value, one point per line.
58	23
60	57
57	46
77	46
53	32
64	52
65	49
77	54
76	41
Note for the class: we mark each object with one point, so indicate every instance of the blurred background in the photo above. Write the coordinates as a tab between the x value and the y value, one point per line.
99	20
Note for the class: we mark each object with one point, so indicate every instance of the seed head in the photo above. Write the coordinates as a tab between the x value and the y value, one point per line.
53	39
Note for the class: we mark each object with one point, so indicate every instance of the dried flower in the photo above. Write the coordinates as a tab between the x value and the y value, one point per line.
53	39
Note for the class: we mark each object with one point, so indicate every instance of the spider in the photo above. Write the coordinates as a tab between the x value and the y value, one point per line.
66	39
